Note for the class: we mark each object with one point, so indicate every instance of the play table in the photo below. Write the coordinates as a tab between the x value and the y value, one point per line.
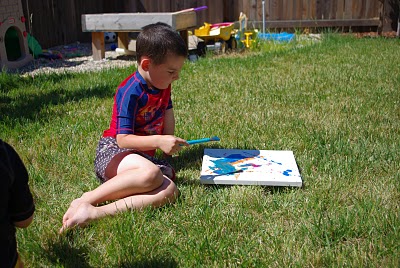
123	23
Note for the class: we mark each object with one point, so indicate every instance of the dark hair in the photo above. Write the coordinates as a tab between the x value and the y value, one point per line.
157	40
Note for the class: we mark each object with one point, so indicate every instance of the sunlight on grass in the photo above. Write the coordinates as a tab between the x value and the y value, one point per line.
334	103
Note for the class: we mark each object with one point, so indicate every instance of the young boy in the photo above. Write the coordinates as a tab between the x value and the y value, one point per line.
142	121
17	205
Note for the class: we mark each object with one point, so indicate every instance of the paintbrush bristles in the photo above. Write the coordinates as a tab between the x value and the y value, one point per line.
215	138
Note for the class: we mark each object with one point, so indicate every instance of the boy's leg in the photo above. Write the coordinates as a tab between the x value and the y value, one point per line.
138	181
86	212
135	174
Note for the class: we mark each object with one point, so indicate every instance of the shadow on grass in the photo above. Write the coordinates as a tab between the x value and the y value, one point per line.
190	158
29	106
61	252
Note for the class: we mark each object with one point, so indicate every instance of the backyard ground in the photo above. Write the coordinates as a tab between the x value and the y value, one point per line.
77	57
335	103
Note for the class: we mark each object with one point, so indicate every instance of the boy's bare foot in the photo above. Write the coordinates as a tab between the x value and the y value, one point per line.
78	216
72	208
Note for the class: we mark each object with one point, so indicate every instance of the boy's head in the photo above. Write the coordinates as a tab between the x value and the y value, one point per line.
157	41
161	53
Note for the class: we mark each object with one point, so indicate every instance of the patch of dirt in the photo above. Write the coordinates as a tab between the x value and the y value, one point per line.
76	57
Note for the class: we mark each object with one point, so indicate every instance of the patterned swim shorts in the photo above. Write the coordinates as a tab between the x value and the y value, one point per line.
108	148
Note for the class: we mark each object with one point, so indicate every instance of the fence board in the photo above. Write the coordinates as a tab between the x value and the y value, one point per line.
332	9
283	9
214	11
340	9
298	10
287	10
347	9
252	9
355	9
268	10
367	9
313	10
274	10
372	9
362	9
295	5
305	10
259	14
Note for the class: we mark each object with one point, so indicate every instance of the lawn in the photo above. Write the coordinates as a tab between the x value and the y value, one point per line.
335	104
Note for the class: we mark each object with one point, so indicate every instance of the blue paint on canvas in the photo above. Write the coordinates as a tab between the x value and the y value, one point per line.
265	167
287	172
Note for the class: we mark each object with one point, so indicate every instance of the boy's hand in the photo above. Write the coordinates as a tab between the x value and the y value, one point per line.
170	144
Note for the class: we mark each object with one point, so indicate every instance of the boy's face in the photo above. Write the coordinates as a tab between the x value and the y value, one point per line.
162	75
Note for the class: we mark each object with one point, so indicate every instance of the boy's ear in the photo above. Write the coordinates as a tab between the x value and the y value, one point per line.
145	63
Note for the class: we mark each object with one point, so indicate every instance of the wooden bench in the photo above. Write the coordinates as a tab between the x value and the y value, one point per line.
123	23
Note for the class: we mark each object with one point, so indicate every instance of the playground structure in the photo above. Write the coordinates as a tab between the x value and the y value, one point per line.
123	23
14	50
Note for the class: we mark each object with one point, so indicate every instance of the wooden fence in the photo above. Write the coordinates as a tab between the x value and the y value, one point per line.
58	22
312	13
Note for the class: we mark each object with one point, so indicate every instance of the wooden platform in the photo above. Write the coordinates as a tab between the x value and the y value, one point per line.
123	23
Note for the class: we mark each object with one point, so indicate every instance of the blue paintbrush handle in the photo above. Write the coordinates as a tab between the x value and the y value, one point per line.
202	140
199	141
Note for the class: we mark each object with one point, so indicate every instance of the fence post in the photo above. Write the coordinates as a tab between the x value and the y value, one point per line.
263	14
387	15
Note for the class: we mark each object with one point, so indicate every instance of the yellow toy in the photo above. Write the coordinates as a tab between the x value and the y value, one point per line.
247	41
245	36
216	33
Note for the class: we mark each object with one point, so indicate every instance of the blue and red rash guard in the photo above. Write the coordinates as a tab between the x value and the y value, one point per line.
138	109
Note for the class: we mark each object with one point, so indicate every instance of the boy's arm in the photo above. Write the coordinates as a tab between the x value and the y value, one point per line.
167	142
169	125
24	223
169	122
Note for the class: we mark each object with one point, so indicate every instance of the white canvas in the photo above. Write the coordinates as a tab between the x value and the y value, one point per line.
250	167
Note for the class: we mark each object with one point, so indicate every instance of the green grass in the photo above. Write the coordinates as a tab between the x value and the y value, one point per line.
336	104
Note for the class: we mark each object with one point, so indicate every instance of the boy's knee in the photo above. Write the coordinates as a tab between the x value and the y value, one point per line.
153	177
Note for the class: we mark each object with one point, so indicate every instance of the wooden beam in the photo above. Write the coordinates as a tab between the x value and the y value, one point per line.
129	22
317	23
98	48
123	40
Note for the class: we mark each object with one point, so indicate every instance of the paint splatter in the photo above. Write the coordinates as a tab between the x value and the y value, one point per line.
287	172
226	165
276	162
250	165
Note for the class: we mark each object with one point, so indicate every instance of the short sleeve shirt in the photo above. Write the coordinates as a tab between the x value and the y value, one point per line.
138	109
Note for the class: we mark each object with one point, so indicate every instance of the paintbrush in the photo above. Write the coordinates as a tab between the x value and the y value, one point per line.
215	138
195	9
